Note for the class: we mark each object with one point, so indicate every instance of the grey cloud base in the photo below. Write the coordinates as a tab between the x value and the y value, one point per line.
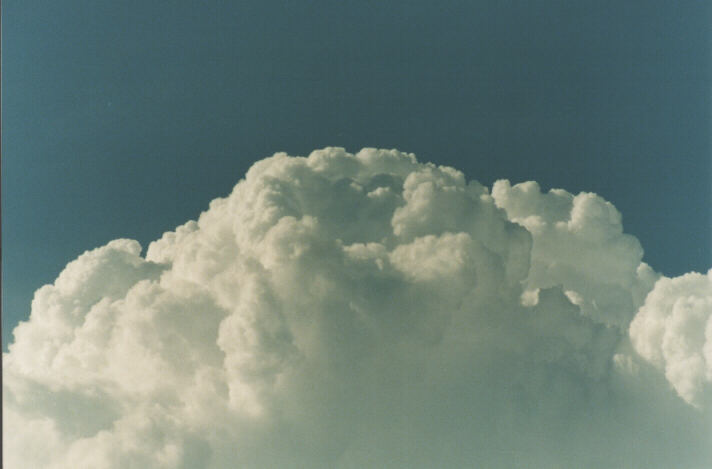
367	310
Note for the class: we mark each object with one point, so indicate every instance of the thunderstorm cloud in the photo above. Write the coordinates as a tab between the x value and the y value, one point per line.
367	310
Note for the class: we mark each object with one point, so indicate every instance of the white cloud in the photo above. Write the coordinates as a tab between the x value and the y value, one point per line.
356	311
579	244
673	331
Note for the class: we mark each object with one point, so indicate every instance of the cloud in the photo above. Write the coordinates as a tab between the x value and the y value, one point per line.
364	310
673	331
579	244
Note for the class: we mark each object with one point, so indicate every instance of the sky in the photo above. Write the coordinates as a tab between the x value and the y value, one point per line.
126	119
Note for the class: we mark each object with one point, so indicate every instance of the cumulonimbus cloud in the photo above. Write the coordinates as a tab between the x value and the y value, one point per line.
366	310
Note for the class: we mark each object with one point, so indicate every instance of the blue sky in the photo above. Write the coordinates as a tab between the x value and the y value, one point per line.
124	119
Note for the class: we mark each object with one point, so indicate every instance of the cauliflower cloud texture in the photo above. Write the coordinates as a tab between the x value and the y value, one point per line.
367	310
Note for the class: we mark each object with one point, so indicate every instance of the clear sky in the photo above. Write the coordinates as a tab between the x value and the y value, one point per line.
124	119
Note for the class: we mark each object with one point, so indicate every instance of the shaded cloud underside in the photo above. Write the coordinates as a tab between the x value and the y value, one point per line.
367	311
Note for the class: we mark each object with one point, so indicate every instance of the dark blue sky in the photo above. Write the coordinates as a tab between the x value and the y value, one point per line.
124	119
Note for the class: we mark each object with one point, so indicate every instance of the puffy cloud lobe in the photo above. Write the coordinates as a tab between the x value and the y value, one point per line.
349	311
579	244
673	331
